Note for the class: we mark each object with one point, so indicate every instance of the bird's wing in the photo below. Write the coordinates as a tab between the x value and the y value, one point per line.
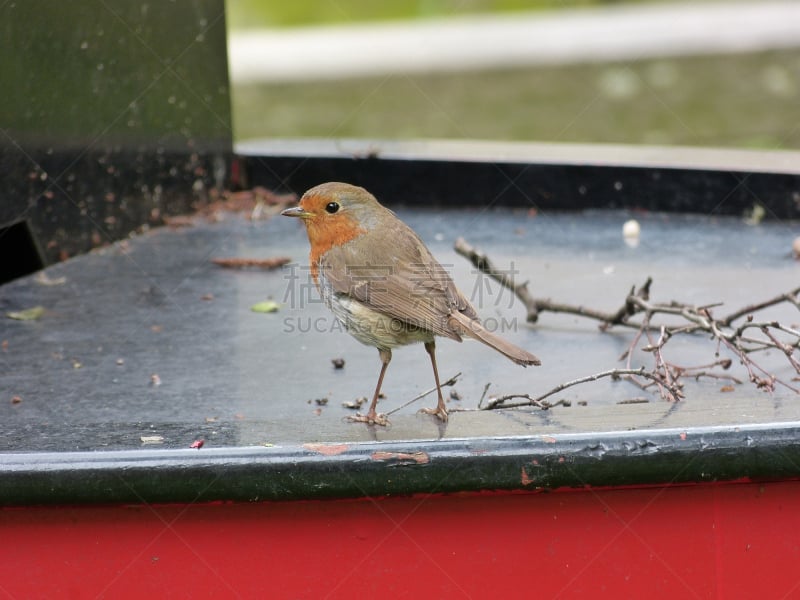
398	277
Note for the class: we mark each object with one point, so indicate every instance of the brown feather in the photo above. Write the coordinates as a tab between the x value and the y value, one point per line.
473	328
400	279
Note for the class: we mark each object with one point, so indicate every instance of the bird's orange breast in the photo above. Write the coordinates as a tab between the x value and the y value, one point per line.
328	232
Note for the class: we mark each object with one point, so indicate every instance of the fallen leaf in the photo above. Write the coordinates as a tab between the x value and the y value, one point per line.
268	306
197	444
727	388
29	314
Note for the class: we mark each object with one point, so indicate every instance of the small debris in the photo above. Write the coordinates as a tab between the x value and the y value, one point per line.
638	400
320	401
582	403
156	328
178	221
326	449
796	248
16	400
338	363
755	215
42	278
197	444
454	395
211	419
631	229
4	345
257	263
207	297
631	233
268	306
120	361
152	439
155	380
356	404
28	314
76	364
420	458
727	388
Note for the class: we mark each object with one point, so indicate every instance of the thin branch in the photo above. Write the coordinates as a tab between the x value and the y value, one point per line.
791	297
502	402
449	382
665	375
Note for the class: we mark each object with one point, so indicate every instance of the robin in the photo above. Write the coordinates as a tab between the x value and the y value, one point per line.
383	284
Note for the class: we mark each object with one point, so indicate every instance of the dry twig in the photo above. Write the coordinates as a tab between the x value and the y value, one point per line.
258	263
665	376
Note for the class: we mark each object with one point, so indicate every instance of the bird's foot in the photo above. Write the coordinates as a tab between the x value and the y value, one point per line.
370	419
439	411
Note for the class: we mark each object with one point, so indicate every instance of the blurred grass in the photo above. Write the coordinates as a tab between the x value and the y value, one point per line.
733	100
248	14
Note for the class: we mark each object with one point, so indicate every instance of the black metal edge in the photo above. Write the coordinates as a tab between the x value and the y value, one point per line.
357	470
552	153
441	177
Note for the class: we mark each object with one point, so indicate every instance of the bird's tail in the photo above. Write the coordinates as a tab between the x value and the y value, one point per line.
473	328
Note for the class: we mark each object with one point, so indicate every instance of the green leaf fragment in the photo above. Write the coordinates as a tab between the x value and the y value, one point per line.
29	314
268	306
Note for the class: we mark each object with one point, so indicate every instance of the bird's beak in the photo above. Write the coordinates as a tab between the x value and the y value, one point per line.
296	211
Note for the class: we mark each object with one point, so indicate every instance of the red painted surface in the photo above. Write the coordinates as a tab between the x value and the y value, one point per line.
705	541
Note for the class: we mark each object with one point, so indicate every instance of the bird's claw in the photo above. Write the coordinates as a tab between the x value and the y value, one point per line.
439	411
369	419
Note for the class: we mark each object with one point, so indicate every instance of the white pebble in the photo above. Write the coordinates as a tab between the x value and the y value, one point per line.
631	229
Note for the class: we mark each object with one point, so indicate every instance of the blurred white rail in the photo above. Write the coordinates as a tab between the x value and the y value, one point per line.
474	42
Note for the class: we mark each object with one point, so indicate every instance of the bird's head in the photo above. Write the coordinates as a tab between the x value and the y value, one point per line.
335	213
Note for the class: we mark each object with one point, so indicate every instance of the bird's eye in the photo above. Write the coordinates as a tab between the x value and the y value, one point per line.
332	207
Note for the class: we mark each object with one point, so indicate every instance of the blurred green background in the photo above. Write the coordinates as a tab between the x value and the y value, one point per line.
734	100
251	14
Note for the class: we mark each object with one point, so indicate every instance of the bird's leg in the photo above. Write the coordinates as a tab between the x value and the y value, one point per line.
372	417
440	410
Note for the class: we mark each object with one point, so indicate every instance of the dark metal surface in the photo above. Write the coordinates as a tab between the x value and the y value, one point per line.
661	456
247	383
